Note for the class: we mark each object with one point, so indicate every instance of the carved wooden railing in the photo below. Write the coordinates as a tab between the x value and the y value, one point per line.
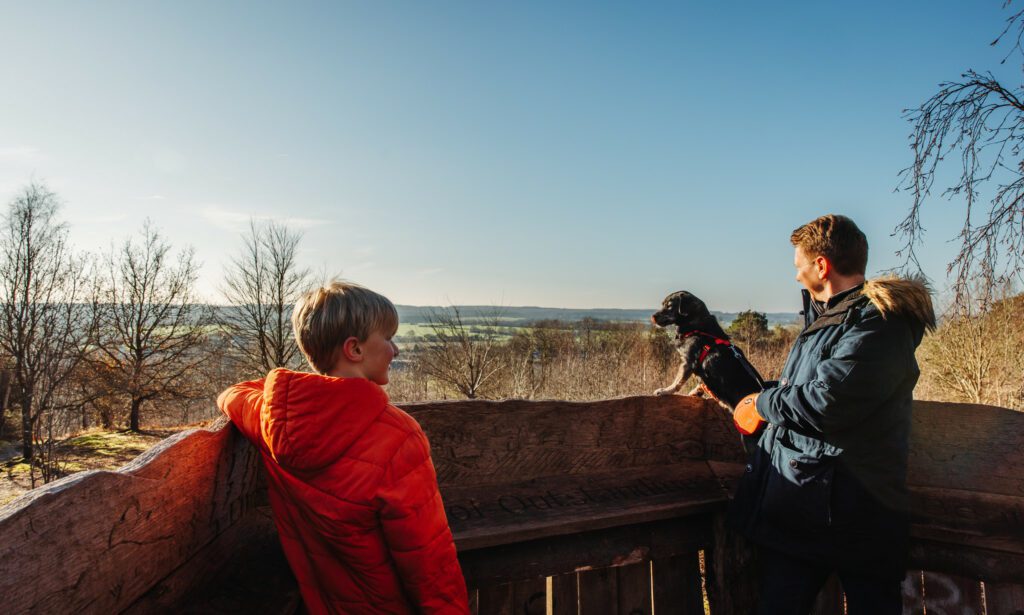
604	507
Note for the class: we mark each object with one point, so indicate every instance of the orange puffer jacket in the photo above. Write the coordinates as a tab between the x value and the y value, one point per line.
353	492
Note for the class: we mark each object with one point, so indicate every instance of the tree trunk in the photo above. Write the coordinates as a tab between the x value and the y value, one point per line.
26	429
133	416
5	395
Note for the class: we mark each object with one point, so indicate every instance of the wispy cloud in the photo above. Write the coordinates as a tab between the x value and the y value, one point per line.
237	221
93	220
22	155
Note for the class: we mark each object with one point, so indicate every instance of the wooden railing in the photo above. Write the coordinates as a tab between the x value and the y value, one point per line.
605	507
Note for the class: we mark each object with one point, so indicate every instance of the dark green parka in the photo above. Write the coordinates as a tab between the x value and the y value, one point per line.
827	480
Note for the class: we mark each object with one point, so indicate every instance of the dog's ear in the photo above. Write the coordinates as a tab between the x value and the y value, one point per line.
682	301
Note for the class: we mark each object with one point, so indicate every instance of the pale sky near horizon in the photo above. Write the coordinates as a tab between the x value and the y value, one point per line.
569	154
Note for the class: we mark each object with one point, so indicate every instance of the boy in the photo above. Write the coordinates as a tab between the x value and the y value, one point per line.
351	483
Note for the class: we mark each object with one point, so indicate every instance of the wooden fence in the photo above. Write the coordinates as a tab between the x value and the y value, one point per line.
557	507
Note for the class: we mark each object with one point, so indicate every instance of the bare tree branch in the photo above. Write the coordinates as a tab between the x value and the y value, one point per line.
47	315
979	120
152	328
262	284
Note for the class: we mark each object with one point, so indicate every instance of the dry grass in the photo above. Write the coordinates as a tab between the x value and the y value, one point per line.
92	450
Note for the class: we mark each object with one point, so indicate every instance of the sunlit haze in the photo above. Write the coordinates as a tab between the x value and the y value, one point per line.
553	154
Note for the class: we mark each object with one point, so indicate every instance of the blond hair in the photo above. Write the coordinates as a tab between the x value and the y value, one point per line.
836	238
325	317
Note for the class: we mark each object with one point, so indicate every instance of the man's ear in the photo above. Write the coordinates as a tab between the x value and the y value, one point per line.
823	266
351	350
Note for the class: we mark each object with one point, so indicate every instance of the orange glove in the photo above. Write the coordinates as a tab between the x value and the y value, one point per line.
745	416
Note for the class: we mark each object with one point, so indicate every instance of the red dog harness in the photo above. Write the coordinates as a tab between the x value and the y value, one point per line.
735	351
707	347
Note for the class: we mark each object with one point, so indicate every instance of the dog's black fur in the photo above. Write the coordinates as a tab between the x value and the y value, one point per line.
721	371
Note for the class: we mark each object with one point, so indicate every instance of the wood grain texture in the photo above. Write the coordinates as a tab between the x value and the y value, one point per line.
634	583
565	595
609	547
243	570
529	596
95	542
731	571
599	592
677	585
495	600
1004	598
531	488
485	443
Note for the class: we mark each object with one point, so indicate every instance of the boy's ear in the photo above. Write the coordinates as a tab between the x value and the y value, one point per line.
351	350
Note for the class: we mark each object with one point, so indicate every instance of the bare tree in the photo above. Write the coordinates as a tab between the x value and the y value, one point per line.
955	366
152	328
262	284
978	120
47	317
463	356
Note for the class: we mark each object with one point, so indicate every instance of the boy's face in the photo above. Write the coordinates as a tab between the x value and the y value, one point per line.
378	350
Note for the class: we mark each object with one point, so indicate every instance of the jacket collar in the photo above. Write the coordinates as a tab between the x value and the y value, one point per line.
835	309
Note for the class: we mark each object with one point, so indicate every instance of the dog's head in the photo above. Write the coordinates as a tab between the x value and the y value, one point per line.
681	309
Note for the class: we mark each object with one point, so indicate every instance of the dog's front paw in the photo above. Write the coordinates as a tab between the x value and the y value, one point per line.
665	391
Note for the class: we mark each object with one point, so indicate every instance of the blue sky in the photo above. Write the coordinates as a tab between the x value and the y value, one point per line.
555	154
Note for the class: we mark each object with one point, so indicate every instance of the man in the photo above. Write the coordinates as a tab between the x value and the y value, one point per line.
825	489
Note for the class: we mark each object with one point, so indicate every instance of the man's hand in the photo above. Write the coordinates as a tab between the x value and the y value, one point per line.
745	416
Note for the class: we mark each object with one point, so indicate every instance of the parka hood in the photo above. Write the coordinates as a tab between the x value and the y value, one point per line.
910	298
308	421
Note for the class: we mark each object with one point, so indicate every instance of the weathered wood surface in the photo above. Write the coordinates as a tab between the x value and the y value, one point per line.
966	478
96	541
571	491
519	470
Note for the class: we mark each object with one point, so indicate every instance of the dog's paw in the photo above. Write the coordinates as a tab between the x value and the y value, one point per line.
665	391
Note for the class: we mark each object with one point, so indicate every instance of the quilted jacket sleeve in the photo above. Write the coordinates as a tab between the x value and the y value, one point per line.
416	531
867	365
241	403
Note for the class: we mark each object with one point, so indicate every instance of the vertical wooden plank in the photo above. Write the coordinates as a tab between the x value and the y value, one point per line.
474	602
564	595
830	598
954	595
677	585
913	593
1004	598
732	572
599	592
495	600
530	597
634	583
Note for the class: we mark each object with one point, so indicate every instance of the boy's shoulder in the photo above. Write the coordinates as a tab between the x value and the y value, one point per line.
400	421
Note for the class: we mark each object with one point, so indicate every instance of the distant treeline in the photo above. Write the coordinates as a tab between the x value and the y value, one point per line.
525	316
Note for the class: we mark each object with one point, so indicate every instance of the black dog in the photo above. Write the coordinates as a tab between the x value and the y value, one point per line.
706	351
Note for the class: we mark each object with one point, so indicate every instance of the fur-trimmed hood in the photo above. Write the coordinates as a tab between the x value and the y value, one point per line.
910	298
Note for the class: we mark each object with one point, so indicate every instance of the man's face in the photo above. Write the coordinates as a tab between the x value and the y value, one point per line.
810	272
